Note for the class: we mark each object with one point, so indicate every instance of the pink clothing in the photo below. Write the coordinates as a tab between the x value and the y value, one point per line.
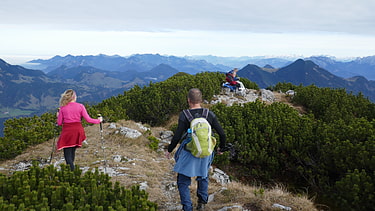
70	116
73	112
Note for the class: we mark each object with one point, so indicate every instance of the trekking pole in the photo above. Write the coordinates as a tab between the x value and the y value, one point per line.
54	140
53	144
102	140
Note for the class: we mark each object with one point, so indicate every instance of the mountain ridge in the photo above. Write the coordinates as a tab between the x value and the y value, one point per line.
92	79
307	73
37	91
139	62
346	68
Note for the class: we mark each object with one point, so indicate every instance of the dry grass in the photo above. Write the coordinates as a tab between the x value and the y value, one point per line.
281	97
172	121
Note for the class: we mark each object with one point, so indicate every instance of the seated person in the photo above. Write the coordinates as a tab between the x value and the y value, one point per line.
232	79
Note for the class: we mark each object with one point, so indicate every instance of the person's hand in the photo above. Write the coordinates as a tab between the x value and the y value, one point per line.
100	119
167	154
218	152
57	112
221	150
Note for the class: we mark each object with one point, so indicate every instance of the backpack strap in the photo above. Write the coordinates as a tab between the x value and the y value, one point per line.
205	113
190	117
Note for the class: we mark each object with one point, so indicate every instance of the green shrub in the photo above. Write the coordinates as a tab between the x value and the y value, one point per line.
282	87
222	159
355	191
27	131
331	104
51	189
276	143
249	84
154	104
154	142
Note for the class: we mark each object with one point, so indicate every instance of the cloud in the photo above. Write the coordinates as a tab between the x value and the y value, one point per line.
238	15
225	28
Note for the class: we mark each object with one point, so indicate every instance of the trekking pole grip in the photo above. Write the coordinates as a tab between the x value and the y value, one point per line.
101	125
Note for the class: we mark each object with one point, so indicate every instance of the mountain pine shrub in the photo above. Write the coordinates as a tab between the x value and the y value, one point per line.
154	142
26	131
330	150
52	189
154	104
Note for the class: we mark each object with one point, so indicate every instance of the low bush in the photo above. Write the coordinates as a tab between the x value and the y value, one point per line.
52	189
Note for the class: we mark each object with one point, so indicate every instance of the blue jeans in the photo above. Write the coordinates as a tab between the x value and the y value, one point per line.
183	183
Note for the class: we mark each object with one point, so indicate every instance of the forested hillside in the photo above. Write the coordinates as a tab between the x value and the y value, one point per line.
328	150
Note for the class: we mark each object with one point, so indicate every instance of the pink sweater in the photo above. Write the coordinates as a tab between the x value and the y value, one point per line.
73	112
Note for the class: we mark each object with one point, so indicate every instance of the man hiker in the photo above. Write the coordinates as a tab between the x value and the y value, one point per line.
187	165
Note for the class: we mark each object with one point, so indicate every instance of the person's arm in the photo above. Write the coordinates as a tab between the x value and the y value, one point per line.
86	116
181	129
230	77
59	117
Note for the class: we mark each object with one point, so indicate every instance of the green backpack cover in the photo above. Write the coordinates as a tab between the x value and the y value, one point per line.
202	142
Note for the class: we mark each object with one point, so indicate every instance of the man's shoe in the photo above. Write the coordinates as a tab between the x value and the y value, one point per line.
200	206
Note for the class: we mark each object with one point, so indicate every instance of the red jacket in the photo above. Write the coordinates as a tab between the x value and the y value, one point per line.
230	78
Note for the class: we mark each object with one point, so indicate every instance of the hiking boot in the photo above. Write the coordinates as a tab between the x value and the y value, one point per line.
200	206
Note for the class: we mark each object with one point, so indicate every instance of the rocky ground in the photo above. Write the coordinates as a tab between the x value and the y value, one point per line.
130	160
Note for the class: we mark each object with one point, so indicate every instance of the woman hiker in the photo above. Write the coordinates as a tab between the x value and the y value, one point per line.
72	134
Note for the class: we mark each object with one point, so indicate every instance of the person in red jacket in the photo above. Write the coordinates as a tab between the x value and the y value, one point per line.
231	77
72	134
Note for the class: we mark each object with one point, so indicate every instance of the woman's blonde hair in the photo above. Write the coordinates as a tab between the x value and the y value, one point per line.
67	97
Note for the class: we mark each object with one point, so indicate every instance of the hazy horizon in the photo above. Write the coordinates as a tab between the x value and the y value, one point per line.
24	59
44	28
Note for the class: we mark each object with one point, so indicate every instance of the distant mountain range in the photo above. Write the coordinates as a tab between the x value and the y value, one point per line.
36	86
240	62
364	66
137	62
358	67
344	68
98	77
306	72
36	90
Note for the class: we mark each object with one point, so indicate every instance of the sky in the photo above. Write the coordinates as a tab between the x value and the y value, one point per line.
45	28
